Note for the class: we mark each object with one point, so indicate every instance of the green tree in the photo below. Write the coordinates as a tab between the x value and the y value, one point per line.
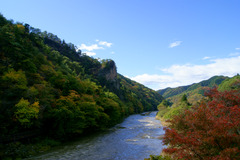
14	83
184	98
26	113
184	101
164	104
112	109
66	117
163	108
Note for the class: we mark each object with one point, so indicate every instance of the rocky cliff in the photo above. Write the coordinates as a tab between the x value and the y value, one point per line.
108	74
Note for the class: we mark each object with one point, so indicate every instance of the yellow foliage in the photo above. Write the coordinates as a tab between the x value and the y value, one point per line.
26	113
21	28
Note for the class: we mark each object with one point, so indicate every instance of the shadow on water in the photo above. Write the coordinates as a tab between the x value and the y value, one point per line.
136	138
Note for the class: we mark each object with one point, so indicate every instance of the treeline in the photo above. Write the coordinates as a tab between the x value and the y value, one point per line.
47	85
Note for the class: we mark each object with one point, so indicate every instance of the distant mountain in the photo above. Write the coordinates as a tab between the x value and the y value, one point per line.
194	92
169	92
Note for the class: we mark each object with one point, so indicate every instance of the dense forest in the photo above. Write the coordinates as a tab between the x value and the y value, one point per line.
50	89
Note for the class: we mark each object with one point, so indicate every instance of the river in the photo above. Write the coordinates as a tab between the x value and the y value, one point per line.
134	139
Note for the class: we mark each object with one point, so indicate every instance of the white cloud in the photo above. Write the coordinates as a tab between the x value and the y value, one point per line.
237	48
104	43
155	81
90	53
112	52
234	54
204	58
179	75
175	44
89	48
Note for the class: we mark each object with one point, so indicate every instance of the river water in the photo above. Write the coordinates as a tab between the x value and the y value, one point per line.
134	139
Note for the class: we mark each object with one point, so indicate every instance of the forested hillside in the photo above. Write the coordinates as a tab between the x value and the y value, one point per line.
50	88
230	84
194	92
207	130
183	98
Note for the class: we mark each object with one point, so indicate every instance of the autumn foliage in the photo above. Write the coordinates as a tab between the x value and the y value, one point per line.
210	130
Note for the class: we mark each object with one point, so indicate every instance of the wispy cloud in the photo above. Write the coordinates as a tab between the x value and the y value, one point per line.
179	75
234	54
204	58
89	48
104	43
237	48
175	44
90	53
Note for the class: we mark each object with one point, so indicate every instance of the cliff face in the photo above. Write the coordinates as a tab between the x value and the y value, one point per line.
108	74
110	71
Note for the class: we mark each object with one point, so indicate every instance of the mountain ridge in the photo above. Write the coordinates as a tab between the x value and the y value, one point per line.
194	91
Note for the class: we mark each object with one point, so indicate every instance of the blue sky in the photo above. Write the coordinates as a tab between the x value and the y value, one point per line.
159	43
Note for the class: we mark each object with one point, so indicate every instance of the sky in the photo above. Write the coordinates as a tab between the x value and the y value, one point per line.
158	43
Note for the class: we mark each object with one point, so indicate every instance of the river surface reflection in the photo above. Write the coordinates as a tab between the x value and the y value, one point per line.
134	139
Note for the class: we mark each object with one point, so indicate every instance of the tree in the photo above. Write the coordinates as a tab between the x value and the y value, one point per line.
13	83
184	101
163	105
25	113
66	117
3	21
208	131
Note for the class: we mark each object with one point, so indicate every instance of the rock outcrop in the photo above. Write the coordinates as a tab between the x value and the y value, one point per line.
108	74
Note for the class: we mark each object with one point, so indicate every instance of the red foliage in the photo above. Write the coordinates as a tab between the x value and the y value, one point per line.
208	131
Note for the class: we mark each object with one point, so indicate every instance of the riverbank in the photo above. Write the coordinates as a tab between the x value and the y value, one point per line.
27	148
163	121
